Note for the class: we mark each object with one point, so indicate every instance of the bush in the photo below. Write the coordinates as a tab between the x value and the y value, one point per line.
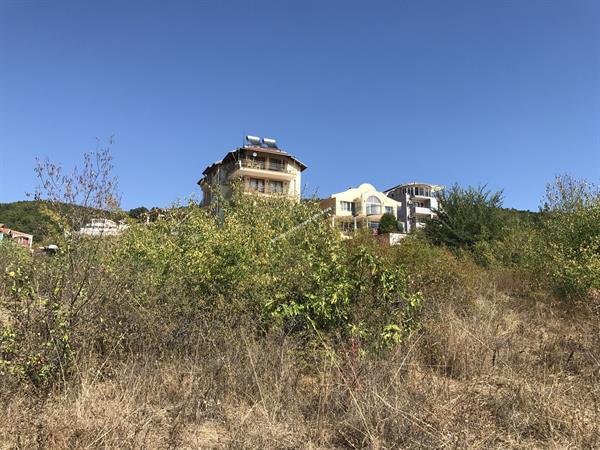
571	237
274	262
559	248
266	265
388	224
466	217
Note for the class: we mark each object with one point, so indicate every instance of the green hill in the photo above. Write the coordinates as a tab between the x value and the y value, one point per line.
32	217
28	217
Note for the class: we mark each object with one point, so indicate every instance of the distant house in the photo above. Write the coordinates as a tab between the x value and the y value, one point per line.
24	239
419	203
103	227
261	167
360	207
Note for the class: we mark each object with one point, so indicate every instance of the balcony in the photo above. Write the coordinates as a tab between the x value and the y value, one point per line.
270	170
420	210
421	197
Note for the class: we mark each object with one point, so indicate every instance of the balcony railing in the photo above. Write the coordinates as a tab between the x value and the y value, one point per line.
420	209
262	165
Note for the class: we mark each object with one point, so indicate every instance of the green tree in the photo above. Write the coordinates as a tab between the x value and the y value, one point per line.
466	217
138	213
388	224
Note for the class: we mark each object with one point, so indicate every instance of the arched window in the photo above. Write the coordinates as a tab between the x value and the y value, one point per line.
373	205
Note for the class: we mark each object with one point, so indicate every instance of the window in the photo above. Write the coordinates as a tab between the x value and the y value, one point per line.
276	186
257	185
346	206
420	191
347	227
276	164
373	205
389	210
373	225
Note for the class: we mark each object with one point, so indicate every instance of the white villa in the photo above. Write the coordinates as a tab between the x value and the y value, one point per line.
359	207
419	202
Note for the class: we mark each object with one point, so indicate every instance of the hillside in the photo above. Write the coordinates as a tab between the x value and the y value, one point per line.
32	217
28	217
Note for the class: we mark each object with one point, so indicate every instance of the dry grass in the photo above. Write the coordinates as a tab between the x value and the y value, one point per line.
502	372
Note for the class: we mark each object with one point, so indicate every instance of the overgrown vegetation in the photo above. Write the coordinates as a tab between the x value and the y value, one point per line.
261	328
468	216
34	217
558	249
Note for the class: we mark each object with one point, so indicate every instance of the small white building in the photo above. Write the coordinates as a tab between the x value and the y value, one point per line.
103	227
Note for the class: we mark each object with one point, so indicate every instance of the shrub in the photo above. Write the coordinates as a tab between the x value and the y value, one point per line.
571	237
559	248
274	262
466	217
266	264
388	224
438	273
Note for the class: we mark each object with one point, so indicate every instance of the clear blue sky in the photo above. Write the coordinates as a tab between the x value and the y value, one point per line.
499	92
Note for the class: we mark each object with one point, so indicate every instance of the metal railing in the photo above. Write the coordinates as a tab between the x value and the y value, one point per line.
261	165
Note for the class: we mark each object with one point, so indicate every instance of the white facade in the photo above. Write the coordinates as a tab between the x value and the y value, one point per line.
359	207
103	227
419	203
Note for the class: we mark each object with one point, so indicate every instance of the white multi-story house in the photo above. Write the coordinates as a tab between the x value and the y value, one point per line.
103	227
359	208
419	203
259	165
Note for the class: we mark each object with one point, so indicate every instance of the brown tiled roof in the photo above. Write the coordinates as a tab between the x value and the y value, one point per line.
14	233
272	151
208	168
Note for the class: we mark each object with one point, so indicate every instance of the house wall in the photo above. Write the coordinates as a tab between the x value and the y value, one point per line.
358	196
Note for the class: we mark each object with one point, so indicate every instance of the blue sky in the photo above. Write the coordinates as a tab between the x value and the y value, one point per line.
499	92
